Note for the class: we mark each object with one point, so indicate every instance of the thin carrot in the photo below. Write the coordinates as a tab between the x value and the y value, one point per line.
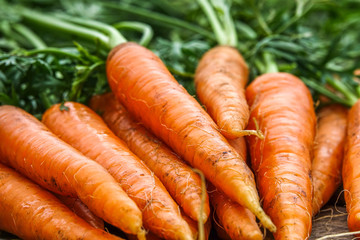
328	153
182	183
31	212
283	107
351	170
145	87
29	147
80	209
220	81
237	221
86	131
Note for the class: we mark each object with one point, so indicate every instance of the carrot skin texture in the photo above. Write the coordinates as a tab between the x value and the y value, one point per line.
80	209
30	148
31	212
328	153
141	82
283	107
183	184
350	170
220	80
237	221
239	144
86	131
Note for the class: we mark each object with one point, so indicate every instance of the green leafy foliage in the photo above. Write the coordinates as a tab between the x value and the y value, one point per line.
36	82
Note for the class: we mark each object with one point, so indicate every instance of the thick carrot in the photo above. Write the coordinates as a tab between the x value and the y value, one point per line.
80	209
328	153
351	170
237	221
31	212
86	131
183	184
283	107
146	88
220	81
29	147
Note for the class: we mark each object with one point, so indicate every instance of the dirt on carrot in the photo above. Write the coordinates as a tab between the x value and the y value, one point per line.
283	108
31	212
182	183
30	148
328	153
220	81
83	129
141	82
80	209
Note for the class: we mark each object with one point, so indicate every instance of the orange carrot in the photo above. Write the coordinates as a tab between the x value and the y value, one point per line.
145	87
86	131
328	153
29	147
239	144
31	212
237	221
183	184
220	81
283	107
351	170
80	209
220	231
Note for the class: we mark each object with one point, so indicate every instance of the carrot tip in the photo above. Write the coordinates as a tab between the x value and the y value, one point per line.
141	235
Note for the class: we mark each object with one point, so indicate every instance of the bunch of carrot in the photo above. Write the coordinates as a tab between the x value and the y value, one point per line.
132	164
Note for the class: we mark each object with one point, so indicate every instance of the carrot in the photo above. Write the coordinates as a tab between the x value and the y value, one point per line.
29	147
283	107
350	168
220	81
31	212
239	144
86	131
145	87
182	183
80	209
328	153
237	221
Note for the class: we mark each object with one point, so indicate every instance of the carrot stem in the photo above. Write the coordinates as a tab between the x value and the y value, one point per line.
52	50
30	36
270	64
65	27
341	87
320	88
160	18
147	32
214	21
115	37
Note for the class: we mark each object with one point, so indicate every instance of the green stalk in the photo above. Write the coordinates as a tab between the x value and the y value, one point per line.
115	37
160	18
260	19
270	63
147	32
358	91
55	51
62	26
341	87
230	29
214	22
320	89
30	35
